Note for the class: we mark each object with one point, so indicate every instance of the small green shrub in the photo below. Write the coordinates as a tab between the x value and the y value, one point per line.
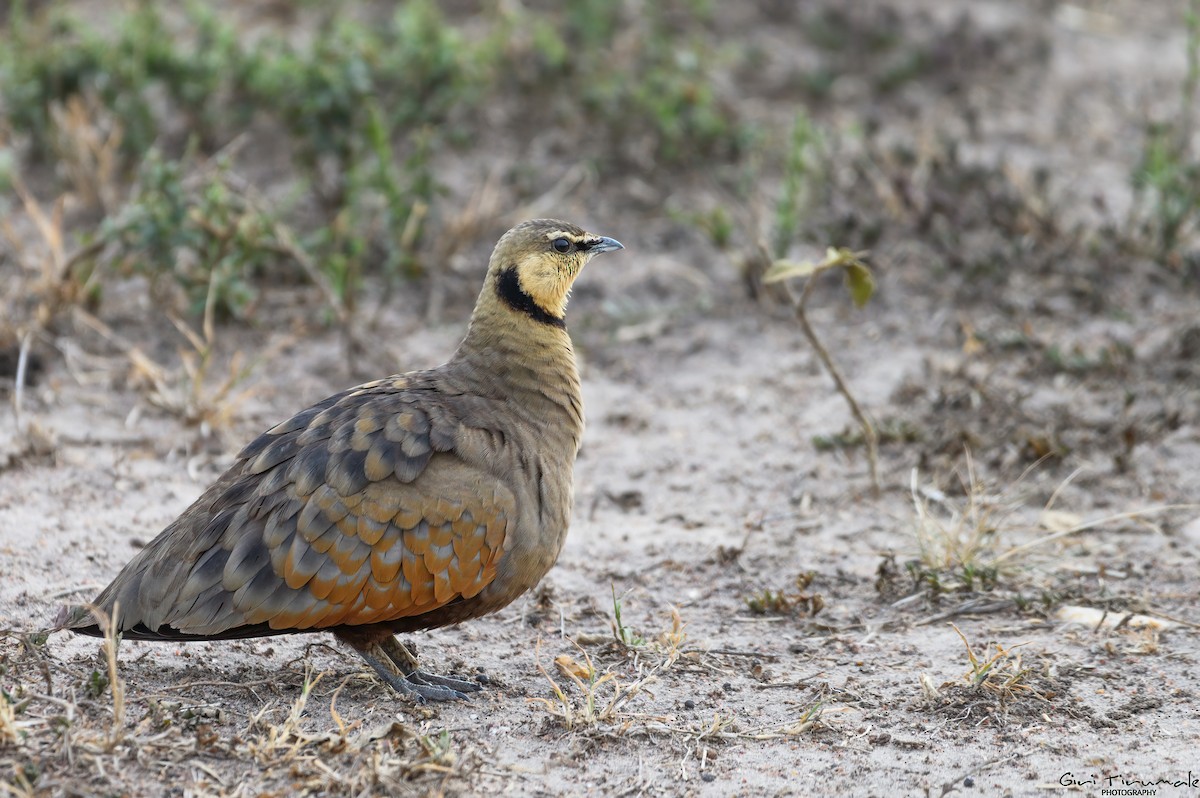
202	233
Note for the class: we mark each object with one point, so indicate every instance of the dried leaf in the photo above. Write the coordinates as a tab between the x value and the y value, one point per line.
1060	521
1101	619
568	667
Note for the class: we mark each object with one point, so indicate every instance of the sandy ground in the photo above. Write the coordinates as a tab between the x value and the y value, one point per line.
699	487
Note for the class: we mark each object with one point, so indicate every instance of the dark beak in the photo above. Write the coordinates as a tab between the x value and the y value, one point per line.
603	244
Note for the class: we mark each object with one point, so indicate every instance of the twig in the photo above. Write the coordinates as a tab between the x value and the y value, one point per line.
730	653
1172	618
801	682
869	433
972	607
185	686
285	244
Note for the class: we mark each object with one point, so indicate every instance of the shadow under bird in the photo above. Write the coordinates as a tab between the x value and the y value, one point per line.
412	502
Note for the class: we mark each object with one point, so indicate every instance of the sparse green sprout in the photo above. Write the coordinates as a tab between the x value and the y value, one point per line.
768	603
783	602
1167	176
438	748
1000	672
623	634
979	577
926	578
889	431
718	225
798	172
97	684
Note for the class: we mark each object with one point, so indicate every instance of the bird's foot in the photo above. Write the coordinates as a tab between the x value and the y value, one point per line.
404	659
449	682
398	667
417	688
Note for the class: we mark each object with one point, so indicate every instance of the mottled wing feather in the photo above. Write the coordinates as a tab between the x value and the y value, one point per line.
353	511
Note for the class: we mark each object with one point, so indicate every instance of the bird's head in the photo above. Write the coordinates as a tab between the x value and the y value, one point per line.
535	264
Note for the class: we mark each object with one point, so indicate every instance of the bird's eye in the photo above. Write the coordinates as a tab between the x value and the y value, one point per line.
561	245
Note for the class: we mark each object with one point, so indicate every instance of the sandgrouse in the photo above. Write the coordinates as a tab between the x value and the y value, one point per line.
412	502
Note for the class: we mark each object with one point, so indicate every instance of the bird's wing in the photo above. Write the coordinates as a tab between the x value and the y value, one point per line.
354	511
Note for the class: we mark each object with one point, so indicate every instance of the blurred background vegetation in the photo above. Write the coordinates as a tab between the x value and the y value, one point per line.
214	149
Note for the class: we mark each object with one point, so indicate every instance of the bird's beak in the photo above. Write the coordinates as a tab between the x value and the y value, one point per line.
604	244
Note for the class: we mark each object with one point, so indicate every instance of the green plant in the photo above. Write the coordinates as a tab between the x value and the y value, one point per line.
1167	176
889	431
1168	182
623	634
999	672
201	231
52	59
798	173
656	105
785	602
336	95
41	64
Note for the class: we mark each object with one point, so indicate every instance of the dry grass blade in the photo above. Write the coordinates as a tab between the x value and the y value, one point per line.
278	744
1001	672
88	152
115	734
10	729
18	394
116	684
1084	526
590	708
967	536
185	393
972	539
49	227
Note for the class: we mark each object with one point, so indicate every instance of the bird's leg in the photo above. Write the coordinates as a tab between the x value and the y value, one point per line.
380	660
403	659
398	653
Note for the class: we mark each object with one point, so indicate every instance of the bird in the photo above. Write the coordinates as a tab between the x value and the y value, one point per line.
412	502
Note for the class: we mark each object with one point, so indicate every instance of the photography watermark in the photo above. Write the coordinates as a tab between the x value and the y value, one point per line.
1124	784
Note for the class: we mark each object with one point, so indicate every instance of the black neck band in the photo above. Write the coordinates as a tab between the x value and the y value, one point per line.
509	289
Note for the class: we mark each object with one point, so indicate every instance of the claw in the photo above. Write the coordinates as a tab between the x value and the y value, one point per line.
449	682
404	678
